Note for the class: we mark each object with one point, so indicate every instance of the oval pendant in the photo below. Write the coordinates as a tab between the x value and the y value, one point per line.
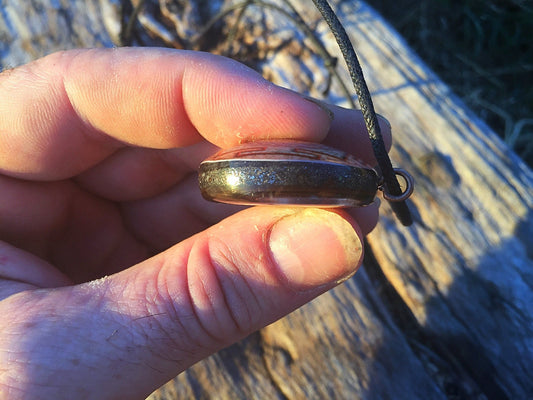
287	172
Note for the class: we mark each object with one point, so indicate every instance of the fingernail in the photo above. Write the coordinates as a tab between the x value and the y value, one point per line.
322	106
313	248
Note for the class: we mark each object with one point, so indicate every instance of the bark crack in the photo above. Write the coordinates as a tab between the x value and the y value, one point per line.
443	367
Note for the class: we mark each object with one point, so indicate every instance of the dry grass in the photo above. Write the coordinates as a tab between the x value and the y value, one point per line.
483	49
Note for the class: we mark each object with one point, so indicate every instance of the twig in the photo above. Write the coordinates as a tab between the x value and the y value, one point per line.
128	32
329	61
517	129
233	31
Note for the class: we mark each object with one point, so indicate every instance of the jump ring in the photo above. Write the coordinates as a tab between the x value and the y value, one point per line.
409	186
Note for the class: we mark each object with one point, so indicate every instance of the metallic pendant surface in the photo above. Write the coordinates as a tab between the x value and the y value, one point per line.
287	172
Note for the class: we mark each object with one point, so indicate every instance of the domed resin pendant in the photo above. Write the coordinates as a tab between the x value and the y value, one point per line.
287	172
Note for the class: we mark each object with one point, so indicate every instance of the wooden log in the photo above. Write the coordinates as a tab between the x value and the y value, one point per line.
440	310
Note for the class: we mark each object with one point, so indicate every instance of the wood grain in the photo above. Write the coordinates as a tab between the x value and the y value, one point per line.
440	310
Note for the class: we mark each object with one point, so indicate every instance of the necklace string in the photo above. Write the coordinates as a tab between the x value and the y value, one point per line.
390	186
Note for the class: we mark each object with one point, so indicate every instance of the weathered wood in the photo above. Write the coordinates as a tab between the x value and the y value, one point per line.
442	309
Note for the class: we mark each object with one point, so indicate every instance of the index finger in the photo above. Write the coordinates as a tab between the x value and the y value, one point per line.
66	112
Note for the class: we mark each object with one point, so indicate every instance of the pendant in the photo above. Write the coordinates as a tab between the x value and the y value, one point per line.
288	173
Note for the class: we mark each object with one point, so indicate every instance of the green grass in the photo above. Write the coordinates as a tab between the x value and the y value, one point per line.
483	49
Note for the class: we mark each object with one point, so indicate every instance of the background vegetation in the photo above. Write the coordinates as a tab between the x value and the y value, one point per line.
483	49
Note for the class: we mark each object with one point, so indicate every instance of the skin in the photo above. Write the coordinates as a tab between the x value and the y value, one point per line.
115	275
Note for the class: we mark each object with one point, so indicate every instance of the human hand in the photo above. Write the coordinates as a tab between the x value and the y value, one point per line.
98	152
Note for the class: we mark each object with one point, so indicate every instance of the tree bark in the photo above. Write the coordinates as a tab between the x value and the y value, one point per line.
442	309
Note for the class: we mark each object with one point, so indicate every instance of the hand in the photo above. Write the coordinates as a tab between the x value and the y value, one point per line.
115	274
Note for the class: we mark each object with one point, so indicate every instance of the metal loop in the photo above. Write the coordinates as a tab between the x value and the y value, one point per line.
410	185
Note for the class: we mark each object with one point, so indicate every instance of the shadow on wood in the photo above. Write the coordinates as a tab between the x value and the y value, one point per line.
440	310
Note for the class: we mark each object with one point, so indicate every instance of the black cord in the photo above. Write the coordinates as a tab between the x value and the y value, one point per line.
390	182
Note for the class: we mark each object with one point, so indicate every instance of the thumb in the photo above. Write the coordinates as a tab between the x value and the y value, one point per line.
127	334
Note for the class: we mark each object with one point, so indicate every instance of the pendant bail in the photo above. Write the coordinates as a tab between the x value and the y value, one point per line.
407	192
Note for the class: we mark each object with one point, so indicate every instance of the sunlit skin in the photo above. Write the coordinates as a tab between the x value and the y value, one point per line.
115	274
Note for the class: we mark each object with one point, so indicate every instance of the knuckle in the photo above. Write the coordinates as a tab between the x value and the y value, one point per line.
206	298
221	291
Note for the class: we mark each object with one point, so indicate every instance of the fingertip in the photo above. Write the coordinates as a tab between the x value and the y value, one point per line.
386	131
313	248
367	217
349	133
230	103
